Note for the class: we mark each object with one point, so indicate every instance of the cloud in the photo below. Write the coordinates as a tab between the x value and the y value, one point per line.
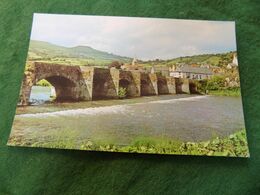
144	38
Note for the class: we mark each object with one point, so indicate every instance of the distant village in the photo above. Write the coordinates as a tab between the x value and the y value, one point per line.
194	71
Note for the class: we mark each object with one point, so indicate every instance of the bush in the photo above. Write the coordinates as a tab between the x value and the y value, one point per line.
216	86
234	92
202	85
122	92
216	82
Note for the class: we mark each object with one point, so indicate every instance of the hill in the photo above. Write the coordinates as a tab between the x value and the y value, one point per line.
220	60
85	55
79	55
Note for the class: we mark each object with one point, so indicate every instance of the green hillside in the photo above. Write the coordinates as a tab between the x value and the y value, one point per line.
80	55
85	55
220	60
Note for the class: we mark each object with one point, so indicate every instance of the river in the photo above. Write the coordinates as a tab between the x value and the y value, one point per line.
182	117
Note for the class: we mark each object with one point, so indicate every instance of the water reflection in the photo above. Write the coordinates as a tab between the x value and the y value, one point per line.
40	95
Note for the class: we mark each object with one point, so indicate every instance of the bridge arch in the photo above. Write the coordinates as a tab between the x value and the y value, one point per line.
68	81
64	87
125	83
131	81
104	85
193	87
162	86
147	87
144	87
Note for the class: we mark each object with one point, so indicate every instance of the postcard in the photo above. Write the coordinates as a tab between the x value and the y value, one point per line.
131	84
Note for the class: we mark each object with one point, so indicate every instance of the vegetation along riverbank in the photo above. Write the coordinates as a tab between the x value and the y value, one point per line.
232	145
217	86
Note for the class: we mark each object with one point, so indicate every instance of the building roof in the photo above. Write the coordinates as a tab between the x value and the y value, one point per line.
190	69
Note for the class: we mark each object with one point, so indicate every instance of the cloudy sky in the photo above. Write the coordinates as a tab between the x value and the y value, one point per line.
143	38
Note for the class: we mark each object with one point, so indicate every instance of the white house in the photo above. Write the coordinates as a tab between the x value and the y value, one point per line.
190	72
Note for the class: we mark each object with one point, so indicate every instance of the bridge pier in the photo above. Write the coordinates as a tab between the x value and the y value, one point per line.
182	85
27	83
25	92
171	84
115	74
148	84
162	84
86	83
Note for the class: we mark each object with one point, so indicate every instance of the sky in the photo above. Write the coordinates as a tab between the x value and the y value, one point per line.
142	38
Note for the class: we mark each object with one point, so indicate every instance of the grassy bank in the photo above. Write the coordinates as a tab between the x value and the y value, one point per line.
233	145
225	92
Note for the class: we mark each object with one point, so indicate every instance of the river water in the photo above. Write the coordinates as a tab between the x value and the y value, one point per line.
182	117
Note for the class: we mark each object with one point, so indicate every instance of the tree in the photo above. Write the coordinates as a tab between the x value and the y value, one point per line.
216	82
202	85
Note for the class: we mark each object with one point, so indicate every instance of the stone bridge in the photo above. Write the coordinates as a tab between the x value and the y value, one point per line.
81	83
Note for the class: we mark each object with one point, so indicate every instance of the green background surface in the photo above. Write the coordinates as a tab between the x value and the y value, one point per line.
53	171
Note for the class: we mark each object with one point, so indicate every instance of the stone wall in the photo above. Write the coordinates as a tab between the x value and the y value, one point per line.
87	82
182	85
171	84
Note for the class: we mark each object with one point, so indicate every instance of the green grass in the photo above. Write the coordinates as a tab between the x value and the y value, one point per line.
86	56
234	145
219	59
226	92
81	55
